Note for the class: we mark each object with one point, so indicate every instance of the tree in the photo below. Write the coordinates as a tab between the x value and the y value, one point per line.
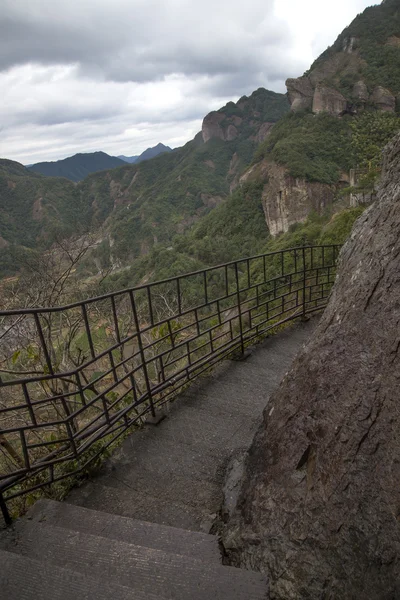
371	131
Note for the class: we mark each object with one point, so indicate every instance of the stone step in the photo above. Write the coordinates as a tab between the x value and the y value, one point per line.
140	533
145	570
23	578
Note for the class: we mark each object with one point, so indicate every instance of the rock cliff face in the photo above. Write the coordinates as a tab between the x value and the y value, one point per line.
300	93
319	505
287	200
211	127
326	99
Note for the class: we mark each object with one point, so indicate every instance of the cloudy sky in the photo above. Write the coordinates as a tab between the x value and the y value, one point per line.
122	75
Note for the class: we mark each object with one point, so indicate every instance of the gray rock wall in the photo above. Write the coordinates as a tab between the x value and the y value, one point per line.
319	508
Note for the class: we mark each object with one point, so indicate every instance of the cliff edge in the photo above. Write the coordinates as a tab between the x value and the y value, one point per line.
319	505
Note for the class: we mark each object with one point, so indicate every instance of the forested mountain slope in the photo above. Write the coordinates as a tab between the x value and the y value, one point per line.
77	167
134	207
35	210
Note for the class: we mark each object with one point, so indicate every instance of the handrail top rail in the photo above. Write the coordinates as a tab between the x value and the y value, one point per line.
48	309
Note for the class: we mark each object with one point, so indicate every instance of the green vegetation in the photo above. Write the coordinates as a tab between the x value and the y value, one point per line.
377	33
321	147
270	106
371	131
150	203
313	147
34	211
143	205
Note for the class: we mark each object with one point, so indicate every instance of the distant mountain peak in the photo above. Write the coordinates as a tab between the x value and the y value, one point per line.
147	154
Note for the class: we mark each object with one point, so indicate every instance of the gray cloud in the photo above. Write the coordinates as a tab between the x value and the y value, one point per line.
121	75
143	41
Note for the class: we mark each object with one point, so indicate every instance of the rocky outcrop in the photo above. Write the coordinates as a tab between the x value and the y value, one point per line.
37	209
288	200
325	87
328	100
360	92
304	95
383	99
251	118
348	44
359	197
231	133
263	132
211	127
300	93
393	41
312	92
319	504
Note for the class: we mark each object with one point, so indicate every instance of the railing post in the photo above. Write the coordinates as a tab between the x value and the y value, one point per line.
142	356
239	308
3	506
304	285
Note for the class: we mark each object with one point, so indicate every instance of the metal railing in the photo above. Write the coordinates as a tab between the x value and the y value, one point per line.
74	378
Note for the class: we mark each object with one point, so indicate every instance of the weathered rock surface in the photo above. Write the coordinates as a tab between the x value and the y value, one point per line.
319	506
328	100
383	99
211	127
360	91
287	200
300	92
263	132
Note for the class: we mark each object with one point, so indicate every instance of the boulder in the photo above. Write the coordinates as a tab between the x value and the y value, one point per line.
319	506
300	92
383	99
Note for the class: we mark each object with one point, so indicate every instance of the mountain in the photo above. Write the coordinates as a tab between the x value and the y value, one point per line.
147	154
269	166
128	159
134	208
343	111
360	70
148	204
79	166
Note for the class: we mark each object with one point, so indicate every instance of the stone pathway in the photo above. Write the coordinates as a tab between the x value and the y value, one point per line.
173	473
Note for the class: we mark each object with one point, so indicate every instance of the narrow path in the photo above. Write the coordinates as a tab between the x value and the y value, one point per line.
173	473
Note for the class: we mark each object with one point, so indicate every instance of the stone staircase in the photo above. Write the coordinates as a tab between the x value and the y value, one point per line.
94	547
64	552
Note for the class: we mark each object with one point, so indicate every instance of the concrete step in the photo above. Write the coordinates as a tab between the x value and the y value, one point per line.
167	487
145	570
23	578
140	533
97	494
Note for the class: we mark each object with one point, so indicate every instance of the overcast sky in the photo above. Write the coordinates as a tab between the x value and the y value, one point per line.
122	75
